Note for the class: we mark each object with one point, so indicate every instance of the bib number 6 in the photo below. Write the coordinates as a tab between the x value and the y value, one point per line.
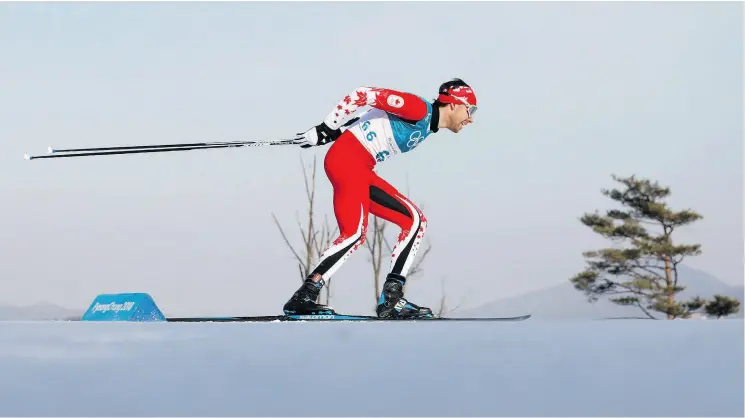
370	136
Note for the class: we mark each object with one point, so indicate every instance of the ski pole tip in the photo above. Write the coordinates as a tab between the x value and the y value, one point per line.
50	150
26	157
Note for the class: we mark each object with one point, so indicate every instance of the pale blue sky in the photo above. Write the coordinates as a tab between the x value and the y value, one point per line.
569	94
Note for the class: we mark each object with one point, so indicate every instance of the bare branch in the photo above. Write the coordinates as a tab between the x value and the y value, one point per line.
443	301
284	236
443	308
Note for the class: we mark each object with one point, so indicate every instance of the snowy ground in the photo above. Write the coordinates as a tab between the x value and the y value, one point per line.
595	368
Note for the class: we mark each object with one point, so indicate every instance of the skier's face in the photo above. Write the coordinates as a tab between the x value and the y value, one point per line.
460	117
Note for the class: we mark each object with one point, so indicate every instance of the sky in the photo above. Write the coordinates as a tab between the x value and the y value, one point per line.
569	94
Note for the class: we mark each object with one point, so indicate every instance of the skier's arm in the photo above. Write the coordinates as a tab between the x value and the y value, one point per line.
404	105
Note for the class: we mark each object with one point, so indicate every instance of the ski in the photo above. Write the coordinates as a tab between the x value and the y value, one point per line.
338	317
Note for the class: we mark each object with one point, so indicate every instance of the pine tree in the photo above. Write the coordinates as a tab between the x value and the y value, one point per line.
643	270
722	306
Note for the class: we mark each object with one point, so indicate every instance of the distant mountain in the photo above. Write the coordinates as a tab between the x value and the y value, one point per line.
38	312
564	302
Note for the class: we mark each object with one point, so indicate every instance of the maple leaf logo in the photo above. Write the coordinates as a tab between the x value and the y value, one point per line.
361	99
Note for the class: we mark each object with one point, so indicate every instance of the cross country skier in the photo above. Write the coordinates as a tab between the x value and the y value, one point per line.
397	122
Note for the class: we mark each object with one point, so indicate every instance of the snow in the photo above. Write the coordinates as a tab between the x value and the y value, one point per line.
536	367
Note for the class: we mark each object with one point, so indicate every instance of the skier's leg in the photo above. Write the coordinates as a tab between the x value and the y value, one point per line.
349	168
351	210
387	203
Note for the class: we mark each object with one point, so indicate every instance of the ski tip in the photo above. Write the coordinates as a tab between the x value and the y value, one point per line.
50	150
27	157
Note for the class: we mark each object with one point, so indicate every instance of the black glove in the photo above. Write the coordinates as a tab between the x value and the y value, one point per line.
320	134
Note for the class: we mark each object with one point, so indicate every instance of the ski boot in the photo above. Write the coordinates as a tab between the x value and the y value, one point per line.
392	304
303	301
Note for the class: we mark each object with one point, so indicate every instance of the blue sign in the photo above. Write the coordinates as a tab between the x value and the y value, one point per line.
133	307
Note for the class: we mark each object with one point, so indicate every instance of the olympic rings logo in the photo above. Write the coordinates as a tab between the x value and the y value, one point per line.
414	139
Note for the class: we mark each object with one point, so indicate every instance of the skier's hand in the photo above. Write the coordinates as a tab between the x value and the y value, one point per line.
317	136
321	134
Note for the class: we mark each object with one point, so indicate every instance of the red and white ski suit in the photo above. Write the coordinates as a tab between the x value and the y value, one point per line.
395	123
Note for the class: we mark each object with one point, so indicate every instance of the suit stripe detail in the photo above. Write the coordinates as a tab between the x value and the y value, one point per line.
384	199
334	256
401	262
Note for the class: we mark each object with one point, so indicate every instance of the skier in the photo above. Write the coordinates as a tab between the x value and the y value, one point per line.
396	122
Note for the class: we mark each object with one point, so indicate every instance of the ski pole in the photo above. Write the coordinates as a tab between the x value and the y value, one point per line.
132	147
141	149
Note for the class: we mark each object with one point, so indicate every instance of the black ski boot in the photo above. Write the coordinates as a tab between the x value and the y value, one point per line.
392	304
303	301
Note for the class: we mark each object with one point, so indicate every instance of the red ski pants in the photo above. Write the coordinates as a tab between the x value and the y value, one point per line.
359	191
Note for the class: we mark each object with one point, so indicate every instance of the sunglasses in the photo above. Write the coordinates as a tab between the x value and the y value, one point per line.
471	109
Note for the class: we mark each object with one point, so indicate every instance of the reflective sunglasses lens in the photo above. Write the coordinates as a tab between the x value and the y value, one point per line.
472	110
